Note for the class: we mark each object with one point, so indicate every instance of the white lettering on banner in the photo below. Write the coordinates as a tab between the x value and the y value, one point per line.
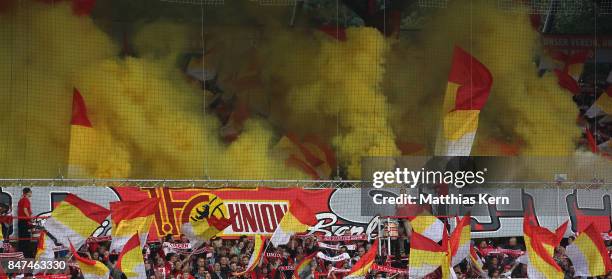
337	270
575	42
286	267
274	255
341	257
169	247
338	238
388	269
336	246
327	224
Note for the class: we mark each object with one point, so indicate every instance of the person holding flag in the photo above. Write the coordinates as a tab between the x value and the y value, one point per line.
129	217
73	220
363	266
91	269
297	219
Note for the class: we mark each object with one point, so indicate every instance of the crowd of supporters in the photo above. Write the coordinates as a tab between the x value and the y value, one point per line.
173	258
593	86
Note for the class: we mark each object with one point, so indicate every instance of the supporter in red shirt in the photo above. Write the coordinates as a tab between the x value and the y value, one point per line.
24	223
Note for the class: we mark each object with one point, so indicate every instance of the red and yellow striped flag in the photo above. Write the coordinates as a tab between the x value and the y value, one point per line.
602	106
426	256
310	155
81	134
566	81
570	70
90	269
44	249
129	217
476	262
256	256
302	270
86	143
298	219
460	241
469	84
364	264
541	243
130	260
571	63
74	219
589	254
427	225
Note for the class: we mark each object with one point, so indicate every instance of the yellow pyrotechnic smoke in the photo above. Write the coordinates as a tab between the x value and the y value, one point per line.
160	118
42	50
333	89
523	109
148	120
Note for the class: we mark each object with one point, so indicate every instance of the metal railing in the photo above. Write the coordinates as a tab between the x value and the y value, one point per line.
251	183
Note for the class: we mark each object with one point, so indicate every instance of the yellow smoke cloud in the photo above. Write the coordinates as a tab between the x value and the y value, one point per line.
523	109
42	50
333	89
148	120
160	118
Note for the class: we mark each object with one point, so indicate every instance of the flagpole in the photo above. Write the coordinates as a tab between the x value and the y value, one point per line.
379	238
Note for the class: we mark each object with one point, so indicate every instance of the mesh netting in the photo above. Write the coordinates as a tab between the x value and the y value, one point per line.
273	90
103	223
197	2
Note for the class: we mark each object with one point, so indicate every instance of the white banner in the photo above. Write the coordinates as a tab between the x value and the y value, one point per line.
350	247
341	257
337	270
175	247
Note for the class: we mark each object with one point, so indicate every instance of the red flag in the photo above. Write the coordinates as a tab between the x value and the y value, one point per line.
473	78
364	264
591	140
79	110
337	33
568	82
83	7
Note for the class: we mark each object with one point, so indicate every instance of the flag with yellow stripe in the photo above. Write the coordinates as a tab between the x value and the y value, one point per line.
44	249
364	264
427	225
476	262
90	269
129	217
74	219
602	106
256	256
130	260
308	154
541	243
85	158
298	219
571	63
426	256
589	254
302	270
467	91
460	241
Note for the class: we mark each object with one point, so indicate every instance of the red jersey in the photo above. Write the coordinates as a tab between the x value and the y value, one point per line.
24	203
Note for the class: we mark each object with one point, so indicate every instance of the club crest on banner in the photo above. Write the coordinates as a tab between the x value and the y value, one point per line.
202	206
